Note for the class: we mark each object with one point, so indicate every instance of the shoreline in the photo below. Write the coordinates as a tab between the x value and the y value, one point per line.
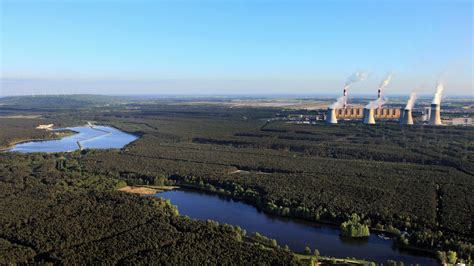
333	224
12	144
63	132
146	189
136	134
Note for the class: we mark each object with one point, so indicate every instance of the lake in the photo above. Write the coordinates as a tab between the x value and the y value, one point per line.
295	233
90	137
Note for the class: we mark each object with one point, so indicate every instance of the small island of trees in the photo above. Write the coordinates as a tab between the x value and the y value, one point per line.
354	228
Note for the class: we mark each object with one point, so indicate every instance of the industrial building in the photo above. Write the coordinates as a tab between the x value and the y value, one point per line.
461	121
358	113
425	114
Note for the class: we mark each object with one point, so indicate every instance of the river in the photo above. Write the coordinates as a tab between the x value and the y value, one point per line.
88	137
295	233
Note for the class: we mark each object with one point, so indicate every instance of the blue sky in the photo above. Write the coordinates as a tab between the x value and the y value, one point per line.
234	47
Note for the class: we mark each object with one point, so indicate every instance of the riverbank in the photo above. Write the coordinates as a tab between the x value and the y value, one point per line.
57	135
298	234
86	138
310	259
323	260
146	190
118	228
335	224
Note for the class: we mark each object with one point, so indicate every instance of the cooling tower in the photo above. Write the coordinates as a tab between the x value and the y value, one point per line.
435	118
369	116
407	118
331	116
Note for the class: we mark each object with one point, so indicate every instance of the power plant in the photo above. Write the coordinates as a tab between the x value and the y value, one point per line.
341	102
374	110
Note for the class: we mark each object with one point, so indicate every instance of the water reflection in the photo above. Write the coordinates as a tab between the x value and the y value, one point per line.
294	233
96	137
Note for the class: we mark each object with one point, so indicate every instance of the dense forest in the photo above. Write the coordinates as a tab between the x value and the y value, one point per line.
50	215
14	129
59	102
413	182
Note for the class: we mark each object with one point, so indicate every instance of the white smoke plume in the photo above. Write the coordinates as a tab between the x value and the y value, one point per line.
339	103
411	101
380	100
385	82
438	94
376	103
356	77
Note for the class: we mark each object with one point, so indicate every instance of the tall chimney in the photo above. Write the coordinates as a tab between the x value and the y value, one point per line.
331	116
345	98
369	116
435	117
406	118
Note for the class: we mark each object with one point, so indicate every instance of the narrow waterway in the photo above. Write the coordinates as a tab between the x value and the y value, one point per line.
295	233
87	137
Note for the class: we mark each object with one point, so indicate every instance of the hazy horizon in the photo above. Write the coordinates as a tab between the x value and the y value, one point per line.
237	96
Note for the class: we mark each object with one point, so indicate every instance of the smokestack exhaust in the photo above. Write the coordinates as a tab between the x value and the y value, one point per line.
356	77
383	84
369	116
345	98
331	116
406	118
435	118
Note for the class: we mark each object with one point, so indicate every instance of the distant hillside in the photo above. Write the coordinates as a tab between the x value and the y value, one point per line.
60	101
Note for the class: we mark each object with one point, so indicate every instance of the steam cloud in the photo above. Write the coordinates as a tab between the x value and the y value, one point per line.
376	103
339	103
411	101
439	93
356	77
380	101
385	82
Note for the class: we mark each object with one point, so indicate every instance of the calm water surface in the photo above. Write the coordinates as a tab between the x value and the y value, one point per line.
96	137
295	233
